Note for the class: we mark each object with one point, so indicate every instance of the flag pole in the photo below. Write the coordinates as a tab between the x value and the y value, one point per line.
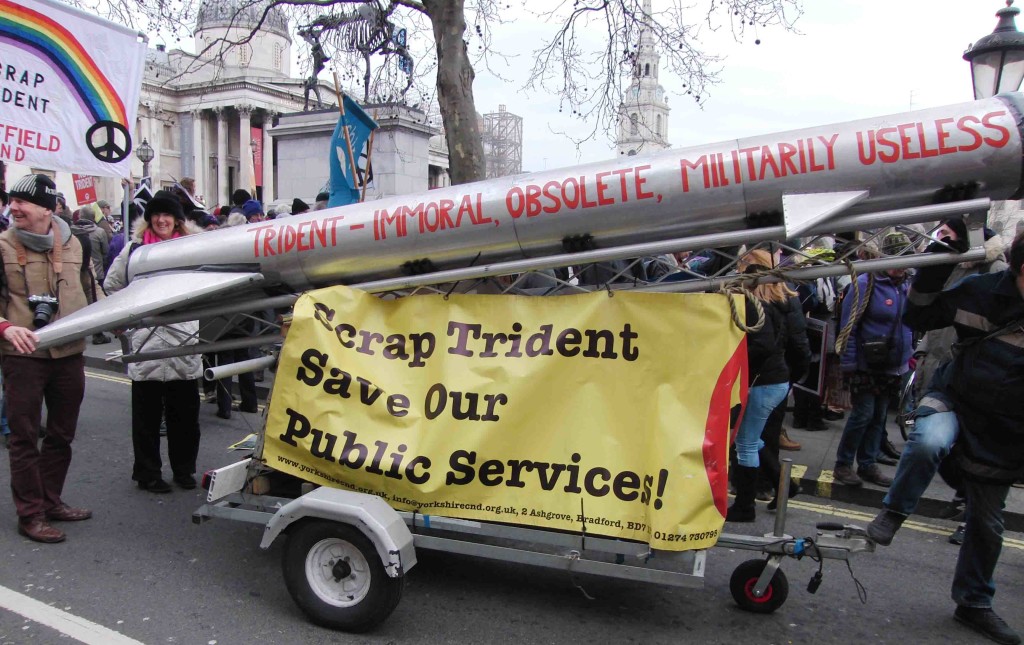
369	159
348	142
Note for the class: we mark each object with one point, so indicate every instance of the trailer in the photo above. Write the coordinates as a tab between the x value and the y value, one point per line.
346	554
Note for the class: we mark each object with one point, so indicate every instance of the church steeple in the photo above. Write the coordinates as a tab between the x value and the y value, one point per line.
643	115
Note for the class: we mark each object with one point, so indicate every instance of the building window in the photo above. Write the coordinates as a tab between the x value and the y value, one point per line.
634	123
647	69
278	56
168	141
41	171
657	125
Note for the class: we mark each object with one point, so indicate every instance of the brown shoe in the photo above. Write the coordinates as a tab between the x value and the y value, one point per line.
785	443
65	513
38	529
843	473
875	475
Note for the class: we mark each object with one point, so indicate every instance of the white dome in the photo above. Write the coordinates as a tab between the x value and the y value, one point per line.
240	14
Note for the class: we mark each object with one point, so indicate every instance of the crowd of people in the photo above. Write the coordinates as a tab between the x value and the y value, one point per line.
57	261
959	327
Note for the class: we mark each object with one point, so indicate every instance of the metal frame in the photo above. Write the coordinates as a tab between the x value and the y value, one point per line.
512	277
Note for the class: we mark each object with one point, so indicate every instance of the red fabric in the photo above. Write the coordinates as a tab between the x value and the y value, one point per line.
3	327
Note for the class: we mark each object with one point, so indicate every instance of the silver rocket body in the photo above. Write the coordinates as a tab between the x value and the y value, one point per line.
800	179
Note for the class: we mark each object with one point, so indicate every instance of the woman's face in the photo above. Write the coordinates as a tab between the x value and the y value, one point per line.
162	225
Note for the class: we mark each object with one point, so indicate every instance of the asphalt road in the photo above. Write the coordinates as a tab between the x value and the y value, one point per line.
140	568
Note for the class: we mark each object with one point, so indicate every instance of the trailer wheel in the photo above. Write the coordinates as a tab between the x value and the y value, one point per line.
742	583
335	576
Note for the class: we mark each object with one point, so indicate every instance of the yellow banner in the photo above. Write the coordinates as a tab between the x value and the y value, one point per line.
571	412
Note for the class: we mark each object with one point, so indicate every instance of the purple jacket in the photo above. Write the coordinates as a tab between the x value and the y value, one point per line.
116	244
882	318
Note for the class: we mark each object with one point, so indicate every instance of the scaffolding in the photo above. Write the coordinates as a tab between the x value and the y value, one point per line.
503	143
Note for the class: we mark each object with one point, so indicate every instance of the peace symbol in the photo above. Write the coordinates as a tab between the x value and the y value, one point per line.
108	141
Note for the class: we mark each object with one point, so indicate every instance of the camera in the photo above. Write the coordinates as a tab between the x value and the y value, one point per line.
43	308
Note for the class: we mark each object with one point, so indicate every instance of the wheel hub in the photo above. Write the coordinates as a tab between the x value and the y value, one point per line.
341	569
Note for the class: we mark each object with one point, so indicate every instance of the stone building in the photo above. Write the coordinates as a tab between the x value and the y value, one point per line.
208	114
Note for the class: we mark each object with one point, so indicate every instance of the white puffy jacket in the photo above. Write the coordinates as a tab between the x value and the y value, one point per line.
150	339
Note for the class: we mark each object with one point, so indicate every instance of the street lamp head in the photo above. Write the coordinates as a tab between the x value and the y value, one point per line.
253	145
144	152
997	60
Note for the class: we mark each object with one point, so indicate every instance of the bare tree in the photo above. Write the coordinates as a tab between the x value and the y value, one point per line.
585	60
593	53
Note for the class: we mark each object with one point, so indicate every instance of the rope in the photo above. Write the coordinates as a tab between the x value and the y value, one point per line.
730	291
844	334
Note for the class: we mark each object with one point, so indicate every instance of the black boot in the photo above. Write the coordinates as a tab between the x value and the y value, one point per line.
772	469
742	509
794	490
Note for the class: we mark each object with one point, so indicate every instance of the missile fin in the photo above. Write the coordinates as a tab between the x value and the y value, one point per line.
144	296
803	211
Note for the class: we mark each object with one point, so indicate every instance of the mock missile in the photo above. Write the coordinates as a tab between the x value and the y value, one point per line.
801	179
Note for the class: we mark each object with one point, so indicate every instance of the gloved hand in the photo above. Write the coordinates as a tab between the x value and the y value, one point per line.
959	245
931	279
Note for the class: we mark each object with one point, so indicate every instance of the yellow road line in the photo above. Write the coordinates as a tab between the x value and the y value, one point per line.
107	376
115	378
864	518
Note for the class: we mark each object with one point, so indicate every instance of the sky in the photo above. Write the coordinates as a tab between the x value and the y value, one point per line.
850	59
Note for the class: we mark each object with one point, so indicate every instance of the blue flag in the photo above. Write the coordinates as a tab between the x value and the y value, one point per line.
346	181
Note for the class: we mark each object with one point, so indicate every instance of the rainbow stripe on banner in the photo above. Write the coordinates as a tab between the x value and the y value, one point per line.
35	32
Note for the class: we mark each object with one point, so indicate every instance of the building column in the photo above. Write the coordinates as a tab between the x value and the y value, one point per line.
198	158
269	194
246	177
223	198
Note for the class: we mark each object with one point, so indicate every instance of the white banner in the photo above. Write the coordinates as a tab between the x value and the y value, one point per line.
69	88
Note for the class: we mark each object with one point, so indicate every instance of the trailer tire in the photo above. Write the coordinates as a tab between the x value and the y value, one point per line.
742	582
336	577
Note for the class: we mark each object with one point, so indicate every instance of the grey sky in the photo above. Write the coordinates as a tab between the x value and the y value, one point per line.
852	59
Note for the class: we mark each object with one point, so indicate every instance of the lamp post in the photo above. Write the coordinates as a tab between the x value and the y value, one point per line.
253	145
145	154
997	60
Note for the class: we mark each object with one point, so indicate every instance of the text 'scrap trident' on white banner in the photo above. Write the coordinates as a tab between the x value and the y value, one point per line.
69	88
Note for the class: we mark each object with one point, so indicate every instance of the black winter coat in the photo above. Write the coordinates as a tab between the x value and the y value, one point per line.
984	385
779	351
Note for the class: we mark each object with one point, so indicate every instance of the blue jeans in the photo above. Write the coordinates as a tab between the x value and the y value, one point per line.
865	428
933	437
761	400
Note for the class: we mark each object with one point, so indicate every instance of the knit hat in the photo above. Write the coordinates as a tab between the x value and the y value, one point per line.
958	226
251	208
323	197
299	206
895	243
36	189
240	196
164	202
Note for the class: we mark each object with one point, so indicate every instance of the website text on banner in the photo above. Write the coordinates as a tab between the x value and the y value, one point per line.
609	414
69	88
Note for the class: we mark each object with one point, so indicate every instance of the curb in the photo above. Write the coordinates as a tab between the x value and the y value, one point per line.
116	367
821	485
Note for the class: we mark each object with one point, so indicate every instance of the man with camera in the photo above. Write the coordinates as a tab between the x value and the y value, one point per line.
40	284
